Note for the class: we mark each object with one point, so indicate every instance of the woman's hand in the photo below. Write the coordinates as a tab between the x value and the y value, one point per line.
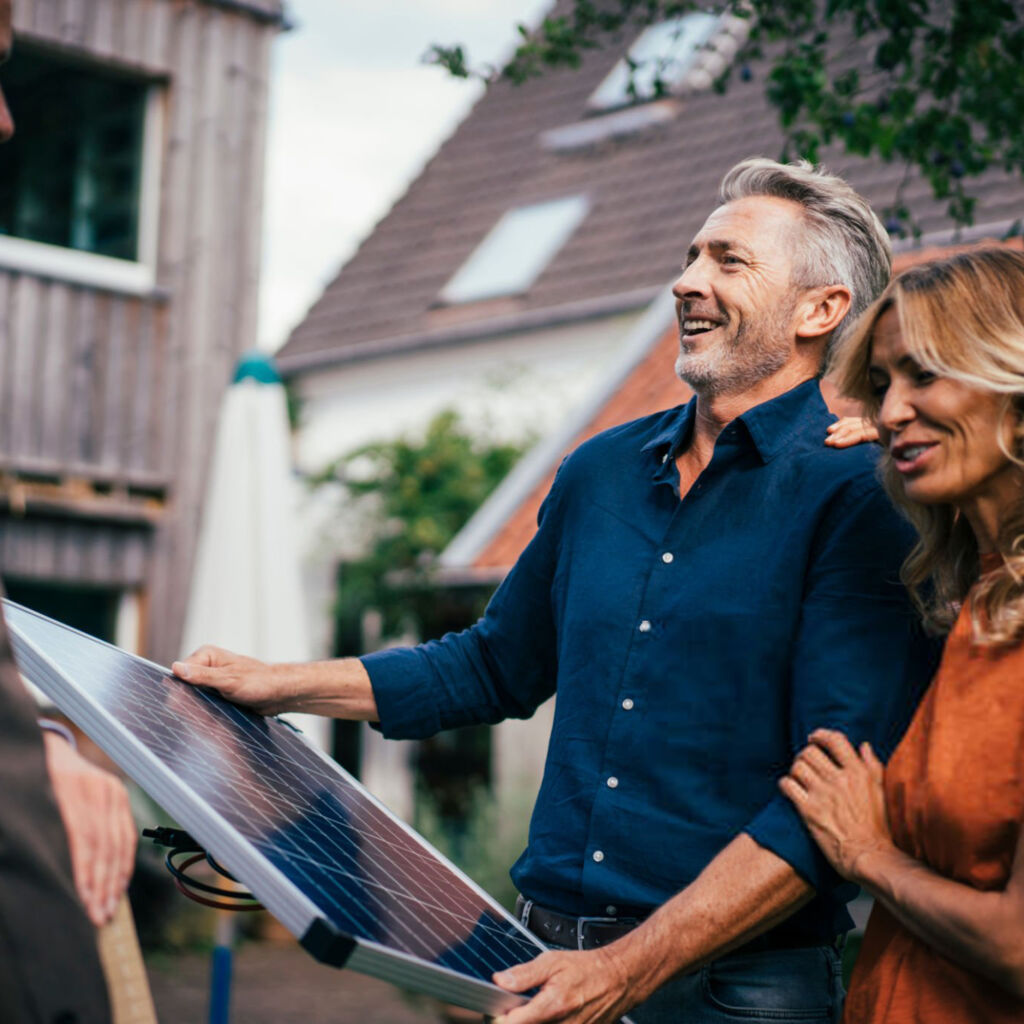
850	431
838	792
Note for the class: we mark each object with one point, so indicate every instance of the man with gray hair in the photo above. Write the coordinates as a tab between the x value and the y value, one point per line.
707	585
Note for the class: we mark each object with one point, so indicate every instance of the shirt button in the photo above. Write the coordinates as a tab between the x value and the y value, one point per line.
645	626
668	557
611	910
664	458
627	704
612	782
598	856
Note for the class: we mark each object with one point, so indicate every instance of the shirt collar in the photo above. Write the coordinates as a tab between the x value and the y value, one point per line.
675	431
795	418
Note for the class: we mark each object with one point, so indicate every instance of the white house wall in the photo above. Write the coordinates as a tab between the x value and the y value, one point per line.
512	387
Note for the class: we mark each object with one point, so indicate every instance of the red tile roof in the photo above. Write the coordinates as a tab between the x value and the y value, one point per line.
649	193
651	386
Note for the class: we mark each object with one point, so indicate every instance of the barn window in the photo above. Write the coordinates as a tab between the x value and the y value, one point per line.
75	176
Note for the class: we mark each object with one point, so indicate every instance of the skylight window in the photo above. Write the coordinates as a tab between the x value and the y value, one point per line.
663	52
516	250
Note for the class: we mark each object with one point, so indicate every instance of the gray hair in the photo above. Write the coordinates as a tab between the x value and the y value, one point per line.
844	242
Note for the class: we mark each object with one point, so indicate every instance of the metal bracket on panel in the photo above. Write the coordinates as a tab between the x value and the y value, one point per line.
324	942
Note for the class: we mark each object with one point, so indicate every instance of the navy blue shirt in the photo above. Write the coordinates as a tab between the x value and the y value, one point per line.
693	645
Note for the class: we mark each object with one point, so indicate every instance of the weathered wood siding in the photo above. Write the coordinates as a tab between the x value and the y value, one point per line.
70	551
121	389
81	375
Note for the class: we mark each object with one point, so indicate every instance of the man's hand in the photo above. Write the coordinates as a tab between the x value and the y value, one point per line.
98	820
575	988
838	792
247	681
338	689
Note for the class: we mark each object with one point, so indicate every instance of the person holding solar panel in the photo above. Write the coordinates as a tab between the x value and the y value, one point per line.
51	798
707	586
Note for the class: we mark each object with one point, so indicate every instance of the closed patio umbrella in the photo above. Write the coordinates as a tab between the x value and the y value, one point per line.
246	591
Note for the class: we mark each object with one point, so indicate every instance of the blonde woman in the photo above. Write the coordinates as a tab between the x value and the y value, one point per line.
938	362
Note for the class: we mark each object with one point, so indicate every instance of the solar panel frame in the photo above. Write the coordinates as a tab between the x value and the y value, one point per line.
281	896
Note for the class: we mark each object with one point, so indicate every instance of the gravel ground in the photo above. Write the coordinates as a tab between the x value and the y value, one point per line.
281	984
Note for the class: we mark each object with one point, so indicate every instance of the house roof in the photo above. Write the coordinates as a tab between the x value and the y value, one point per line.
649	190
490	543
271	11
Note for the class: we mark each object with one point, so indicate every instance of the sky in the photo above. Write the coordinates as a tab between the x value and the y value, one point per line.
354	116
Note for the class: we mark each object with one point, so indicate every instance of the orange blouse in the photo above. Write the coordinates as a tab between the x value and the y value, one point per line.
954	791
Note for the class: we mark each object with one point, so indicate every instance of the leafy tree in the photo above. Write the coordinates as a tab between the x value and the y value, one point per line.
944	92
415	495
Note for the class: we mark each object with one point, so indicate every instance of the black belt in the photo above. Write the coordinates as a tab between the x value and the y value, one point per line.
590	932
575	932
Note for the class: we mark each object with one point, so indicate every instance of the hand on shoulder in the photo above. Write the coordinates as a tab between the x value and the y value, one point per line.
851	431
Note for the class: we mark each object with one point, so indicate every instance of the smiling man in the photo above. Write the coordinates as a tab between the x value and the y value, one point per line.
707	586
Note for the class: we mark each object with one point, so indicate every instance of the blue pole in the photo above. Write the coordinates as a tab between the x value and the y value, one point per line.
220	986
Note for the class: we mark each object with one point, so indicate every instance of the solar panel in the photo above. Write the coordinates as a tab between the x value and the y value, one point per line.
351	881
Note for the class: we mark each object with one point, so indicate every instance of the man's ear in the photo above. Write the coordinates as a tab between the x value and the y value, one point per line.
821	311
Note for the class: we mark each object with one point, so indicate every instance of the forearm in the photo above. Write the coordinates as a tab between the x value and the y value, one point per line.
339	688
983	931
335	689
744	891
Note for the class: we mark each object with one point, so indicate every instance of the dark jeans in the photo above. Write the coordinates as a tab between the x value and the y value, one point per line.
785	986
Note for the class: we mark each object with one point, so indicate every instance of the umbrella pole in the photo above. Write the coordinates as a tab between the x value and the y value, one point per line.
220	973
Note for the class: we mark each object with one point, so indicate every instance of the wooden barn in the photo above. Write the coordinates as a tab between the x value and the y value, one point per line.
130	208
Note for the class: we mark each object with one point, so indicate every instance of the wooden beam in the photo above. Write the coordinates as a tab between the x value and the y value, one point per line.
77	498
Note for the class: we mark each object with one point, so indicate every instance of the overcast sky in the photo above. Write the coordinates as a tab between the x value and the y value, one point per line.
354	115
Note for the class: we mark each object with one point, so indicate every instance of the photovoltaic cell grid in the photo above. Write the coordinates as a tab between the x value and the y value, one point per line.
365	873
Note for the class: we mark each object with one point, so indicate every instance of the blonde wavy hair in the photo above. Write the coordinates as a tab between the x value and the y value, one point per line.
961	317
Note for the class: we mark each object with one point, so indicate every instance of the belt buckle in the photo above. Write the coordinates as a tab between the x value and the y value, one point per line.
583	922
523	908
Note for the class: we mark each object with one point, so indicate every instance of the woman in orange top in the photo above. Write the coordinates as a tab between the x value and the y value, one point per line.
939	363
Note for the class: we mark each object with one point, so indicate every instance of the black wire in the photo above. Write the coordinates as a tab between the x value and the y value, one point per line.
180	843
234	894
216	867
233	905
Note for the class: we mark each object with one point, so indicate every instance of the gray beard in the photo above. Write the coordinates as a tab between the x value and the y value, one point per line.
759	349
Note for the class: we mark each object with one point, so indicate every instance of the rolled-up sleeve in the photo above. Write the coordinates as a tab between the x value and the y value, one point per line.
504	666
861	660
